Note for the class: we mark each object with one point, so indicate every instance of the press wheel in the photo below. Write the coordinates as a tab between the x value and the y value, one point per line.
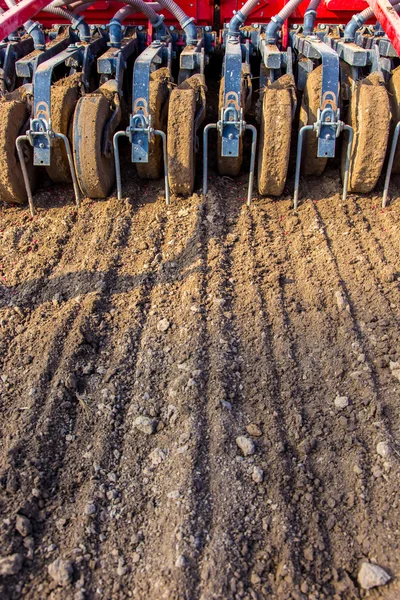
228	165
311	102
181	140
369	115
275	135
13	116
64	96
393	87
94	170
158	98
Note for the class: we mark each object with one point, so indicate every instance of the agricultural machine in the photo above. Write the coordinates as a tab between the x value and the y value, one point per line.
81	81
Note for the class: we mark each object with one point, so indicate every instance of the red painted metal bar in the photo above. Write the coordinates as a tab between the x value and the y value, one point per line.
389	20
17	15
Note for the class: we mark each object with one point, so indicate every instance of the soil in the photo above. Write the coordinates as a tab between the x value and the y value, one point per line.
369	115
275	135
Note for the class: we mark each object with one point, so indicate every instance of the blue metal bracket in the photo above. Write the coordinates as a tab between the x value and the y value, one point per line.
26	67
113	62
10	53
231	116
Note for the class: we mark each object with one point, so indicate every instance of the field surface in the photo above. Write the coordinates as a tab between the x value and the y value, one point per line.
139	341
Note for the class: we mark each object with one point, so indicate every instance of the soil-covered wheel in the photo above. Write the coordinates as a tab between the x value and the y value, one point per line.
311	102
14	116
94	170
275	136
228	165
181	141
64	96
158	104
369	115
393	88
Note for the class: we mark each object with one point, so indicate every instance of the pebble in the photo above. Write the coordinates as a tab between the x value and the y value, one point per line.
253	429
157	456
174	495
146	425
23	525
341	401
246	445
163	325
181	562
11	565
135	557
371	575
340	300
226	404
258	475
384	449
90	509
61	571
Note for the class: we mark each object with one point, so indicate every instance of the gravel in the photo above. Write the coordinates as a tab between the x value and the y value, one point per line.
246	445
11	565
371	575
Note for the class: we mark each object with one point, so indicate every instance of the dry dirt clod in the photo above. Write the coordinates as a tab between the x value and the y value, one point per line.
341	401
254	430
246	445
371	575
258	475
157	456
146	425
384	449
11	565
61	571
181	562
23	525
163	325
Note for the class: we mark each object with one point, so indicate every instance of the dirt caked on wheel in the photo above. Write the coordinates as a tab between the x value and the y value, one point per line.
181	139
275	135
158	110
369	115
64	96
310	104
94	169
14	120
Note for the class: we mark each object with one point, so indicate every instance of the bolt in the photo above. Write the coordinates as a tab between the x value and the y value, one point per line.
322	26
230	136
140	142
41	145
328	136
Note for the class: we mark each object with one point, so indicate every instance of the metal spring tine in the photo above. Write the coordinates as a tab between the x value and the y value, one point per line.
116	137
205	154
298	163
390	165
348	158
64	138
20	140
252	162
164	143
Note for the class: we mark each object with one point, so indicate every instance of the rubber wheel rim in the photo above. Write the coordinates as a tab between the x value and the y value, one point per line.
275	136
64	96
95	171
310	104
180	141
13	116
369	115
225	164
393	87
158	96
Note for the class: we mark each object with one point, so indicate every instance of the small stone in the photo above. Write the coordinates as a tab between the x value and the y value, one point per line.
384	449
181	562
90	509
340	300
163	325
258	475
61	571
146	425
174	495
23	525
135	557
371	575
226	404
11	565
341	401
246	445
157	456
357	470
254	430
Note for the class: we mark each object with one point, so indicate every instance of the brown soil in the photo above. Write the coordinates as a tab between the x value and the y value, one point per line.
216	321
311	102
275	136
180	140
95	171
64	96
13	116
393	88
369	115
158	109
